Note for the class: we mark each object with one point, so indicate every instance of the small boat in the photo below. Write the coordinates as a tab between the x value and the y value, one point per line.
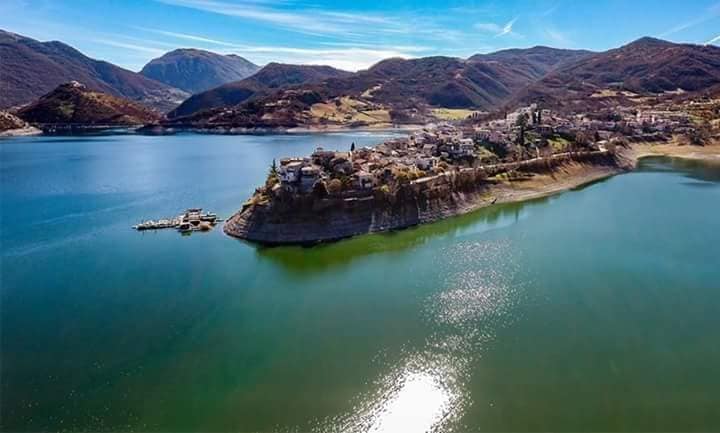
185	227
209	217
147	225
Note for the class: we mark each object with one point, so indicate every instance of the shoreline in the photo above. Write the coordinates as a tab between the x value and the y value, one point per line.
338	219
565	177
162	130
21	132
173	129
709	153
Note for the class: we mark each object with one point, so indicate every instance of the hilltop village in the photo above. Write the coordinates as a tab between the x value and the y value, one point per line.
527	134
448	169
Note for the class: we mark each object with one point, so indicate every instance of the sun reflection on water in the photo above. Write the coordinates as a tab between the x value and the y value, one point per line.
425	391
420	402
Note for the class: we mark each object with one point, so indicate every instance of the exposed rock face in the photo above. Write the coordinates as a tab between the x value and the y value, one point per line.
30	69
73	103
11	125
9	121
195	70
306	220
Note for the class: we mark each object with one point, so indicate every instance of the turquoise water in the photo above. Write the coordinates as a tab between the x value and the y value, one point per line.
597	309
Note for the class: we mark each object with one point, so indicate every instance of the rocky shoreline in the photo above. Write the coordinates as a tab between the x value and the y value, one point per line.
21	132
331	219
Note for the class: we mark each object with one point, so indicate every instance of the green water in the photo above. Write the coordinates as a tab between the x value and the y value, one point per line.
597	309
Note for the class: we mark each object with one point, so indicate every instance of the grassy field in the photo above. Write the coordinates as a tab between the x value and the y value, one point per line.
452	113
558	143
348	110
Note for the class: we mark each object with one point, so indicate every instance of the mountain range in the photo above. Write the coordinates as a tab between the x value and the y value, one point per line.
561	79
392	91
269	79
646	66
195	71
30	69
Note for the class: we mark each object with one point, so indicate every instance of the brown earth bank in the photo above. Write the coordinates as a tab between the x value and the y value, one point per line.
710	153
308	220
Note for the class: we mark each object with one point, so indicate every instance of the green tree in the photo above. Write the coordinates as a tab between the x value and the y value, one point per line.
272	178
273	169
700	135
522	123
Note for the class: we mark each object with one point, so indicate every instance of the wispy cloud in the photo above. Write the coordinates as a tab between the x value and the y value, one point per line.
557	37
340	54
550	11
133	47
709	14
187	37
488	27
497	29
320	22
316	23
508	28
714	40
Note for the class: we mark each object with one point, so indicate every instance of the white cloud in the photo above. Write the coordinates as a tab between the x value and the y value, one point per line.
714	40
498	30
557	36
550	11
507	29
186	36
318	23
328	23
133	47
488	27
711	13
350	59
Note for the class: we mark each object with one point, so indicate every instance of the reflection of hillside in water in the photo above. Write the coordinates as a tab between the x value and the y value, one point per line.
701	170
311	260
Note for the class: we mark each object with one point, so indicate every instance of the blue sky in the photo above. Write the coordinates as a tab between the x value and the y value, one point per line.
351	34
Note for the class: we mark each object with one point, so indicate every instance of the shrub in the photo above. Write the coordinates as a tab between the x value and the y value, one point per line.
402	177
335	186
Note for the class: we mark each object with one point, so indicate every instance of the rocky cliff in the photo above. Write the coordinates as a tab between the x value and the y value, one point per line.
309	220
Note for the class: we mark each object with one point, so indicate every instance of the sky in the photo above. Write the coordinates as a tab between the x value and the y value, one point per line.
351	34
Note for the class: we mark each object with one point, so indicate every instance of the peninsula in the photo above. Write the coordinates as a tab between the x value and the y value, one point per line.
451	169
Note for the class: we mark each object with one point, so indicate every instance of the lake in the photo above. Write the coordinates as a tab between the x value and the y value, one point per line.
596	309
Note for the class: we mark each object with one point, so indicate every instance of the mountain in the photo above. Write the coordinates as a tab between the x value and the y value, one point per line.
270	78
196	70
646	66
481	81
73	103
537	61
393	90
30	69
